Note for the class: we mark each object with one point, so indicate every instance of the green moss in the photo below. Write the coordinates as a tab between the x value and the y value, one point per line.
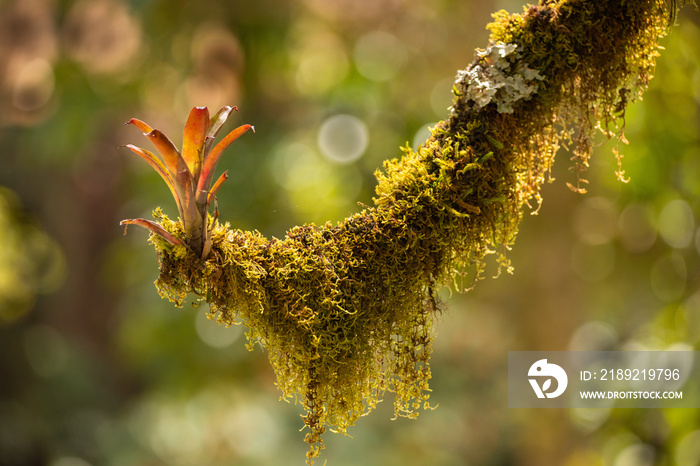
346	311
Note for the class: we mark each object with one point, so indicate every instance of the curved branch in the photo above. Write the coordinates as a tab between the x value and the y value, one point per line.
346	310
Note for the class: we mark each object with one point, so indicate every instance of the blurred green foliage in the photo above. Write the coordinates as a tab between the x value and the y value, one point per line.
97	370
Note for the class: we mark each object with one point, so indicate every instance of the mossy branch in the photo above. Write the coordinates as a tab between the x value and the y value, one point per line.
346	310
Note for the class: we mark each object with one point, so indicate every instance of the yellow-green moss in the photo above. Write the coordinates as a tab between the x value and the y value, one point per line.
345	311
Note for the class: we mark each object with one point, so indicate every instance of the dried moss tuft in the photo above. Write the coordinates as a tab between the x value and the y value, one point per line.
345	311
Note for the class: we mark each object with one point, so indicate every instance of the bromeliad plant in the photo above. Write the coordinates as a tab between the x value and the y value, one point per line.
189	174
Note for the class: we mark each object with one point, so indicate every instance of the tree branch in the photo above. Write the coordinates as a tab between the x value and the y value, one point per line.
345	311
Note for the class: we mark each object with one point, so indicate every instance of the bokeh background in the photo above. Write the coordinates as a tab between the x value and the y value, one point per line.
95	369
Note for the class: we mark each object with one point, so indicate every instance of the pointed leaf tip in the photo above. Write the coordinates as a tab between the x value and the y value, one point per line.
140	125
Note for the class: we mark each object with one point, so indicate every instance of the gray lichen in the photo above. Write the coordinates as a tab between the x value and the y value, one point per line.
498	74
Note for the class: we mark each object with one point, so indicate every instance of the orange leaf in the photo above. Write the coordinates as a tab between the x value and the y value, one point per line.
158	166
194	138
140	125
217	184
205	197
214	156
171	156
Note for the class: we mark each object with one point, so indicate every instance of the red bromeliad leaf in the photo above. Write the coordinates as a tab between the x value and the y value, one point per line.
204	197
194	138
217	184
158	166
140	125
154	227
171	156
214	156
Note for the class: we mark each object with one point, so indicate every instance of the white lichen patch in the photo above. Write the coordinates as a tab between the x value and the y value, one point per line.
499	75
